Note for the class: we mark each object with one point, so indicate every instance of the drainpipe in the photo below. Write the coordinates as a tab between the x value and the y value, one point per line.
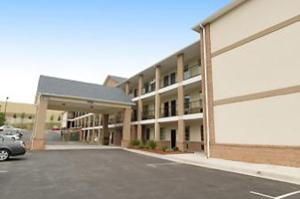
205	94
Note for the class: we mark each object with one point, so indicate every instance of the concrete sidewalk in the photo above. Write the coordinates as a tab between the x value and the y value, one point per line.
279	173
76	145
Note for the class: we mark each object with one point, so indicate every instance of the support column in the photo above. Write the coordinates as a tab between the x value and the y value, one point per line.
140	108
126	127
105	139
180	103
38	142
157	105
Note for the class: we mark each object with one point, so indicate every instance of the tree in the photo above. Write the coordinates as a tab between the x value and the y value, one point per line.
58	119
14	115
2	119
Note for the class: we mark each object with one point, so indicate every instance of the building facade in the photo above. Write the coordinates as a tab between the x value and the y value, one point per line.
250	51
22	115
235	94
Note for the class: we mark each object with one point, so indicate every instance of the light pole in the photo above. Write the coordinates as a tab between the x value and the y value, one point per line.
5	107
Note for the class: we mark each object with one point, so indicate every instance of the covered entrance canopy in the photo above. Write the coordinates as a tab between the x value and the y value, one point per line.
69	95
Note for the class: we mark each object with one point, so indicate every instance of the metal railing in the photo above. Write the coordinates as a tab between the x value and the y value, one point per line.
192	71
168	113
194	106
148	114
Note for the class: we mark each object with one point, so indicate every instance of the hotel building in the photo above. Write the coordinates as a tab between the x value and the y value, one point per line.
235	94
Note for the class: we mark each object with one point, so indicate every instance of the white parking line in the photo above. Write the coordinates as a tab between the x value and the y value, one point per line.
3	171
154	165
277	197
288	194
260	194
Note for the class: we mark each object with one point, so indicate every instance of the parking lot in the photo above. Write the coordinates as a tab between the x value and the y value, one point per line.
115	173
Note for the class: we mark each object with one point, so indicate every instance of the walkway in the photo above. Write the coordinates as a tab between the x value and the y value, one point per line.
279	173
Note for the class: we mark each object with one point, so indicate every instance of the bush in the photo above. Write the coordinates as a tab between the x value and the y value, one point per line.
141	145
175	149
135	143
2	119
151	144
164	148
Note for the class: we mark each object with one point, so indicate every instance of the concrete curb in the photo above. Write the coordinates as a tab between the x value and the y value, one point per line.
265	173
78	147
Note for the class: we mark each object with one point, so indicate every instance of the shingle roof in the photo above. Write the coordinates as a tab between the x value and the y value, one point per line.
75	89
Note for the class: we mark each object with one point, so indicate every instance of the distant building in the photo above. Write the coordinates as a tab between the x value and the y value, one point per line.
21	115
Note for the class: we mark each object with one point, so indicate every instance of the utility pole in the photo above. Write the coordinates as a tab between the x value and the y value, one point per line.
5	107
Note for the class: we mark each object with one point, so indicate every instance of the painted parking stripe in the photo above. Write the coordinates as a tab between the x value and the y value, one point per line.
277	197
288	194
154	165
3	171
260	194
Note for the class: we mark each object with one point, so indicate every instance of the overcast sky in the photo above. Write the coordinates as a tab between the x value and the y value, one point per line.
88	39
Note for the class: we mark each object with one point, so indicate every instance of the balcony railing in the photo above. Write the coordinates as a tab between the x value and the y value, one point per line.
192	71
148	88
148	114
168	113
194	106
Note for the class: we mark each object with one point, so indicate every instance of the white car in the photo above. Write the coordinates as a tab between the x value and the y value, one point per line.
6	127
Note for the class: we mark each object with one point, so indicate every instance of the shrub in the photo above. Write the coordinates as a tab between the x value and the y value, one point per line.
2	119
151	144
164	148
142	145
175	148
135	143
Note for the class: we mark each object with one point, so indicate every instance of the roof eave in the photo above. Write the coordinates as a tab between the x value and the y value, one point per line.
86	99
218	14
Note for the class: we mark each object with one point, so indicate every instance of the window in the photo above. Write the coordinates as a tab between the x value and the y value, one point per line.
187	100
152	86
186	73
187	133
166	80
202	133
173	78
173	108
162	134
135	92
146	87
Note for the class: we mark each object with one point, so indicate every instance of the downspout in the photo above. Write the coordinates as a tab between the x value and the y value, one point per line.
205	94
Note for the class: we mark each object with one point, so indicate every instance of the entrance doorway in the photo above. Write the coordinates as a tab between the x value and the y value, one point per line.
173	138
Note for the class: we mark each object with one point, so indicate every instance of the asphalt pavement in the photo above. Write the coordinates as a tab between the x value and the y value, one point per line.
115	173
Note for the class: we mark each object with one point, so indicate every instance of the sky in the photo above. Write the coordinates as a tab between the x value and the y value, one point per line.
87	40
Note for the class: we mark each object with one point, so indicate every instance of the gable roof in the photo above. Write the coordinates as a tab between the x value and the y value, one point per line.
58	87
116	78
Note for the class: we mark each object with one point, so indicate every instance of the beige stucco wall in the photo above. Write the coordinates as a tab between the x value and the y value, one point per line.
251	17
267	63
264	64
195	128
267	121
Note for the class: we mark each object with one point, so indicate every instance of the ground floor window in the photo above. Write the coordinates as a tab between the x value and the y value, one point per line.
162	134
187	133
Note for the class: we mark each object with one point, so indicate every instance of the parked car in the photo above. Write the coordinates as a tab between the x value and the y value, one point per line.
6	127
10	148
12	134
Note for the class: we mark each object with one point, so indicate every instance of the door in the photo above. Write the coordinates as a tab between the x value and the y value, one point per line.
173	107
166	109
173	138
